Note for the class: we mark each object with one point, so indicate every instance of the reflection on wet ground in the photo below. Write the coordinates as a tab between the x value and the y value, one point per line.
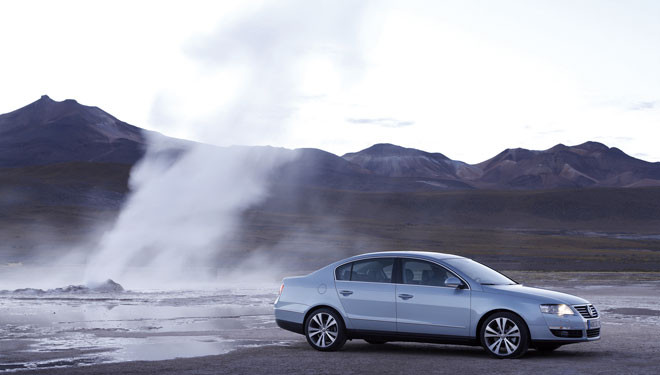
69	329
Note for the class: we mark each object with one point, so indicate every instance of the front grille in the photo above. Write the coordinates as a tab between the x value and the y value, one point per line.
587	311
594	332
572	333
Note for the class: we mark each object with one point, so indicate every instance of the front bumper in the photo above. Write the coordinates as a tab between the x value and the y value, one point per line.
569	328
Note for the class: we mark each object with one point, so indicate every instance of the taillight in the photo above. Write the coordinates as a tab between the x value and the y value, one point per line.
281	289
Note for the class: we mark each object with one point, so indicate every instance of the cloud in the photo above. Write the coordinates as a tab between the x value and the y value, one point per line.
386	122
249	72
551	132
644	105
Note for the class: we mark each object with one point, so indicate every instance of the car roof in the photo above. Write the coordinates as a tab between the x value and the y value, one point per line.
420	254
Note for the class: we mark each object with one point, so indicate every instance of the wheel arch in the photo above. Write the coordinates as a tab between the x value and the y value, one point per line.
317	307
494	311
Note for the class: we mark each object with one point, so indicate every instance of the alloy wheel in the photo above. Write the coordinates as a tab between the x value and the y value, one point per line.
502	336
322	330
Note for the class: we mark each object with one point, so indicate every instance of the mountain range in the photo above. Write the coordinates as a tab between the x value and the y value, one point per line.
51	133
65	167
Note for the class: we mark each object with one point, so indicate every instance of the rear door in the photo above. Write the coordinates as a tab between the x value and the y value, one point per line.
366	292
426	306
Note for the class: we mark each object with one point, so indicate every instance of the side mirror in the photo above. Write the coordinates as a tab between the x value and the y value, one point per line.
453	282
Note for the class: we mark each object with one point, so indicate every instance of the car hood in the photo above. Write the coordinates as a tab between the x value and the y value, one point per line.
538	294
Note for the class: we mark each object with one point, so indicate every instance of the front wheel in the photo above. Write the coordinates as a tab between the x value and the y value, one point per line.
505	335
324	330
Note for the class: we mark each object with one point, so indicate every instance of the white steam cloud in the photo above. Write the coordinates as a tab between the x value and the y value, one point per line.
175	225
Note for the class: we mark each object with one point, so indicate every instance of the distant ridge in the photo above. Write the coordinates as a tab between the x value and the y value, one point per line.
590	164
48	132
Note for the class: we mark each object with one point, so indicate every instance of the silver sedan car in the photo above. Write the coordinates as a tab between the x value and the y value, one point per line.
430	297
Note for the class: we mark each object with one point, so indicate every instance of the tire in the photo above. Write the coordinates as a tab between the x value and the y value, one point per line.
375	342
504	335
546	348
324	330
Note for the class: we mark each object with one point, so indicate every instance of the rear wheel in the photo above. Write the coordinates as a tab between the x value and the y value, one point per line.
505	335
324	330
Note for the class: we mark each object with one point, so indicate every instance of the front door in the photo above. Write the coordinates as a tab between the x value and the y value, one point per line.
366	292
426	306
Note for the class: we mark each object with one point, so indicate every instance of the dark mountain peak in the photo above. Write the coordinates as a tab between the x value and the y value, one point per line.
45	99
48	131
584	165
381	149
521	154
44	110
395	161
510	154
598	150
384	148
592	146
388	149
68	113
558	147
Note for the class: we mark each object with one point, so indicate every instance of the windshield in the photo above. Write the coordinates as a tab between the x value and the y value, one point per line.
479	273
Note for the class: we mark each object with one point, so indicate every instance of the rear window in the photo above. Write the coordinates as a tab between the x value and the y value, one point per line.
343	272
370	270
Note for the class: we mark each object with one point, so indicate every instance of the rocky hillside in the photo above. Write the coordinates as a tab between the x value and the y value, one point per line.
590	164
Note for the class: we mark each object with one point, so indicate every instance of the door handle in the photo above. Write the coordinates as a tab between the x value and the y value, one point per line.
405	296
346	293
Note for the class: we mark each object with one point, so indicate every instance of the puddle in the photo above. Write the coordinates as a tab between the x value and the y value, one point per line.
52	330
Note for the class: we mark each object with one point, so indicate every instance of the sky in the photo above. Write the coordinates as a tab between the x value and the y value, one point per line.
464	78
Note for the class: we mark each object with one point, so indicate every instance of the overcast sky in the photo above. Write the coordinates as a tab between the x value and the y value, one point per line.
465	78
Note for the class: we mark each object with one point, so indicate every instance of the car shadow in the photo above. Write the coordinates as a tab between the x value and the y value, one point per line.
397	348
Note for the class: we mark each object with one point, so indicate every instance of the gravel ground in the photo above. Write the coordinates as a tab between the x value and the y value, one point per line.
629	344
622	350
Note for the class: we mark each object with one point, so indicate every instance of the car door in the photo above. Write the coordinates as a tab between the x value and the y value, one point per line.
366	292
425	305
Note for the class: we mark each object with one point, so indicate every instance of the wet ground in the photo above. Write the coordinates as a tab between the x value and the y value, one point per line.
54	329
232	331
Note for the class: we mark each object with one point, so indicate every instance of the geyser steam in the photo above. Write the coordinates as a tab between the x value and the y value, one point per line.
174	223
173	226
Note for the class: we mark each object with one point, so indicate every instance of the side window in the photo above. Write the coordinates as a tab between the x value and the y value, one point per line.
419	272
343	272
371	270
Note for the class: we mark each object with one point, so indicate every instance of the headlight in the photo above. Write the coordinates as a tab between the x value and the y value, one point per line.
557	309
